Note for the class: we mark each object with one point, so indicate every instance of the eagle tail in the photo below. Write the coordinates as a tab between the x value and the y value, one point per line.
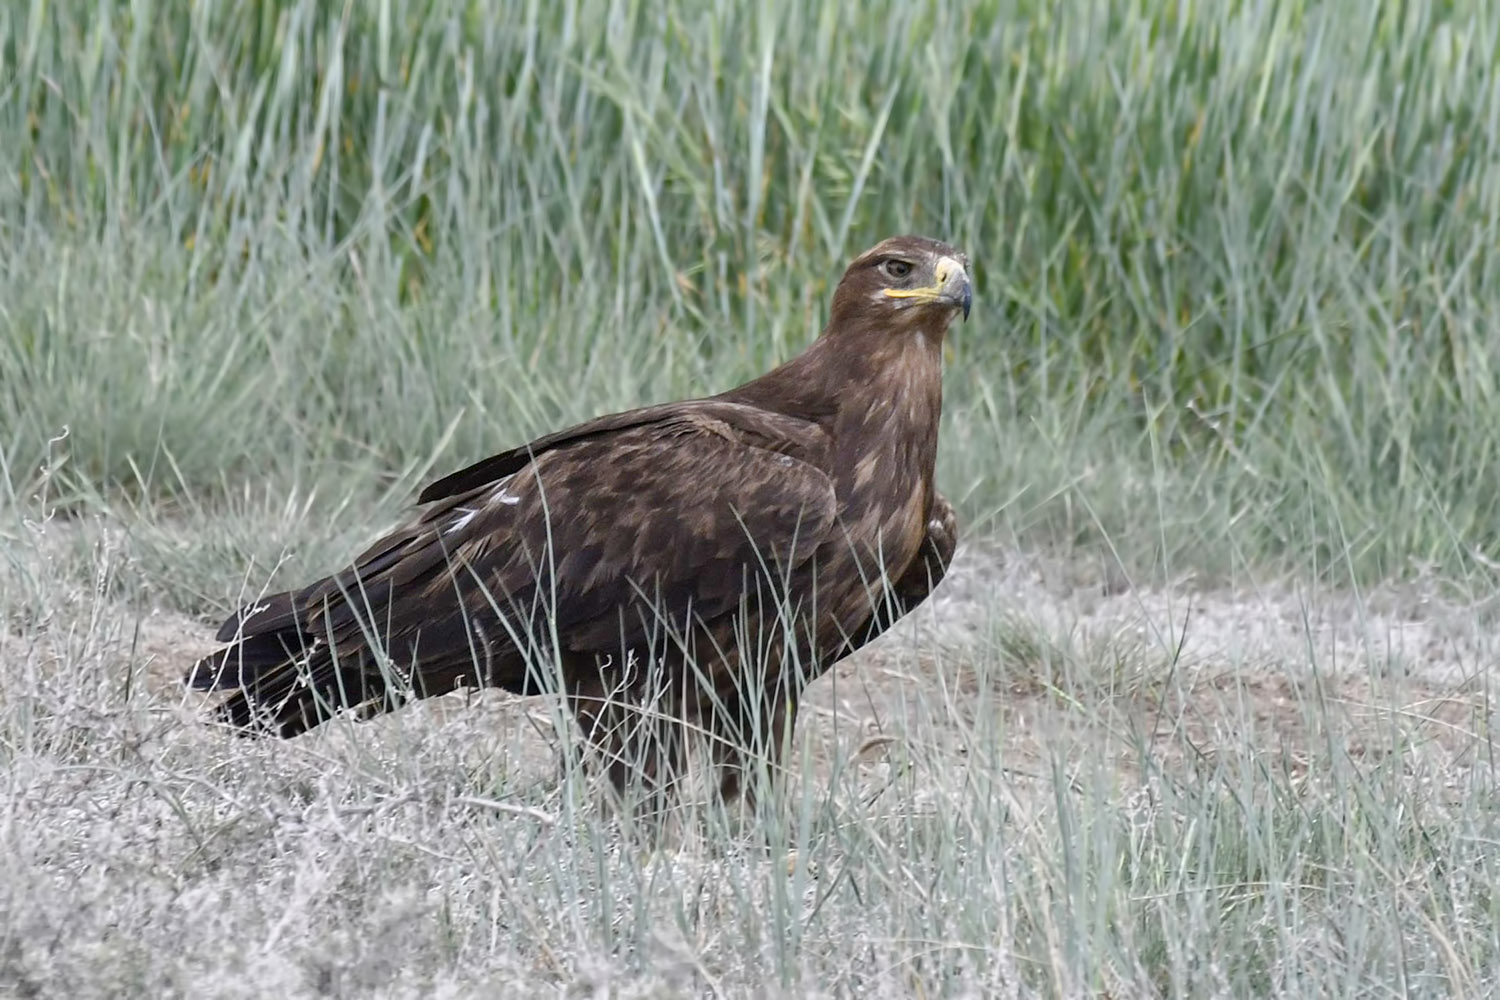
282	679
291	694
245	660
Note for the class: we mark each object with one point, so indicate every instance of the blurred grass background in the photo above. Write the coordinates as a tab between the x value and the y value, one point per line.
1235	260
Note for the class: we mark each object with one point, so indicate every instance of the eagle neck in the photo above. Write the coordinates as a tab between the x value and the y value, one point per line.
879	396
894	411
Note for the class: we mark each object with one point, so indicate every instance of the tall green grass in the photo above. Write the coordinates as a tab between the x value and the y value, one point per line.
1235	260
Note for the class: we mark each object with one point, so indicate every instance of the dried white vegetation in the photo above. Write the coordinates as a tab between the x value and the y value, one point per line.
1034	777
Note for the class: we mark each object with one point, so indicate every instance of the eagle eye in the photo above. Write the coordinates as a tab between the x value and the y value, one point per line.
895	268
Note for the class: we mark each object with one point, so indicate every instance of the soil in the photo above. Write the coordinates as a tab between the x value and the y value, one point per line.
1062	665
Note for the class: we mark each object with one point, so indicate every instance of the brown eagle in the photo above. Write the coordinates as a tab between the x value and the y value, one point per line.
684	566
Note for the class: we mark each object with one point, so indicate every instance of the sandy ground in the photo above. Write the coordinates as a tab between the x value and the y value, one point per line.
1064	663
325	863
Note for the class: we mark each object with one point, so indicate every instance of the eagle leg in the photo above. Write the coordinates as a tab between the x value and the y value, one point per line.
757	730
639	741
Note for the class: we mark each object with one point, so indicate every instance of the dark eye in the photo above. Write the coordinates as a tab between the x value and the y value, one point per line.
897	268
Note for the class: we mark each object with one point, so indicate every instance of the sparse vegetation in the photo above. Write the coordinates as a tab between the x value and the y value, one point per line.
1204	710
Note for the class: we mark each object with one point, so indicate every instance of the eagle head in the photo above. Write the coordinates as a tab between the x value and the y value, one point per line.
907	281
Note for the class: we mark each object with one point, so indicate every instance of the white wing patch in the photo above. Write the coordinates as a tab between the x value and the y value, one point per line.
462	522
500	494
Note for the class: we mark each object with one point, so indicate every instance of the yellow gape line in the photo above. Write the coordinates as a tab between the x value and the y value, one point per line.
952	285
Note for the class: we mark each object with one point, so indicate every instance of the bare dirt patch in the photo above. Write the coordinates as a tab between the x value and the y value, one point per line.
1067	662
1079	664
1026	698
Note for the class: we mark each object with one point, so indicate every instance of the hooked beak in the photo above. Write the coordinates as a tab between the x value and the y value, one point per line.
952	287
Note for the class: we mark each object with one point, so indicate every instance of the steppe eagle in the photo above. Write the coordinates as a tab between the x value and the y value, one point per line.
689	565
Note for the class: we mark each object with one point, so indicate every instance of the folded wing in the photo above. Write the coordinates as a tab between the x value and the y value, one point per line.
575	547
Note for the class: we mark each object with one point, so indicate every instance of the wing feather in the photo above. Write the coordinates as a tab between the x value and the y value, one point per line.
585	541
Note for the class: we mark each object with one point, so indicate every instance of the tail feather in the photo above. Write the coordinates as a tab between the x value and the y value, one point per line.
244	661
288	683
285	681
294	696
282	679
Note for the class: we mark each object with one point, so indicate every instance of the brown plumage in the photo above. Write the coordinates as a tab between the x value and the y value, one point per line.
708	557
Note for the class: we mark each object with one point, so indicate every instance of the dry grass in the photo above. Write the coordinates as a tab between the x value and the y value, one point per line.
1018	792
